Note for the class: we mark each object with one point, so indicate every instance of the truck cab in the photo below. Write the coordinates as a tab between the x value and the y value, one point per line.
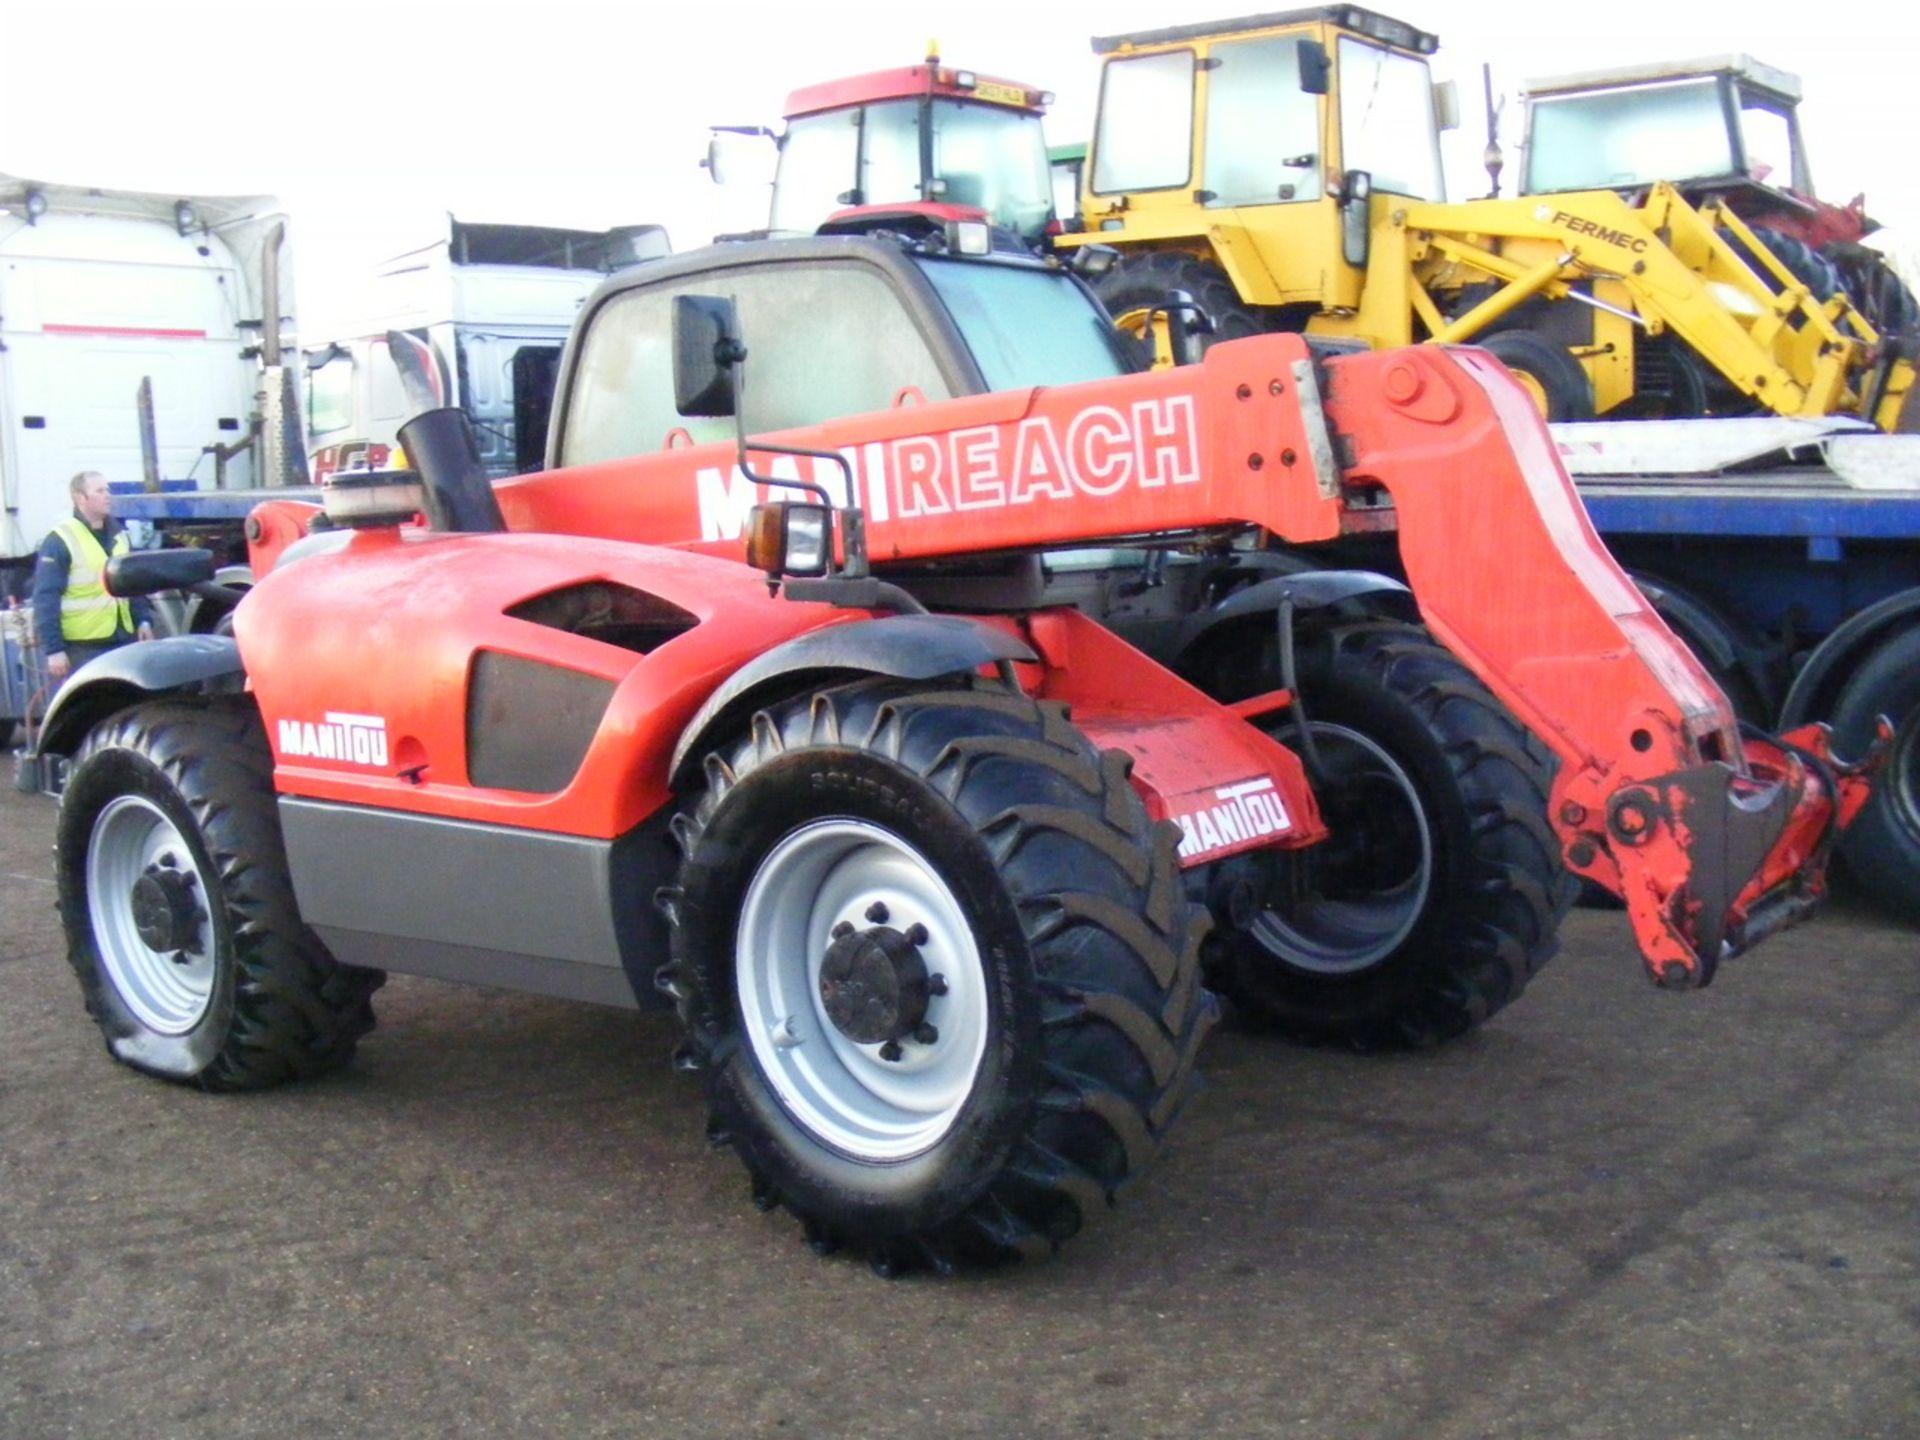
480	314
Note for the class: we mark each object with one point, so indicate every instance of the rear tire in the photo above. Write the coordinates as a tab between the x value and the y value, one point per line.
179	912
984	834
1440	891
1553	378
1882	847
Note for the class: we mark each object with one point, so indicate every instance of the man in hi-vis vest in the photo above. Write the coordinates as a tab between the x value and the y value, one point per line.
74	616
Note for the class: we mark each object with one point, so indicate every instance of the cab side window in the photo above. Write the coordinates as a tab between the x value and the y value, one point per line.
823	341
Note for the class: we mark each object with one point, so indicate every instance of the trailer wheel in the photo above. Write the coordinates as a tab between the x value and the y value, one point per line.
935	964
1882	847
180	917
1439	892
1553	378
1132	289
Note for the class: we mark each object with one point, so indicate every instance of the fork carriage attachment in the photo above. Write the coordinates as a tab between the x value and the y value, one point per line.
1713	840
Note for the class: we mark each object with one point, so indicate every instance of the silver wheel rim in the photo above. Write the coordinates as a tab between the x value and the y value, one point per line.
1338	937
168	990
831	873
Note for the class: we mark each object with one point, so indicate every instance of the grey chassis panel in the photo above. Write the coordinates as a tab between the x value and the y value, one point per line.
524	910
467	965
122	676
908	647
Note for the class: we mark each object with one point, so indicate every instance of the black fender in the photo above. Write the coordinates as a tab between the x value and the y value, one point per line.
907	647
1817	687
131	674
1307	590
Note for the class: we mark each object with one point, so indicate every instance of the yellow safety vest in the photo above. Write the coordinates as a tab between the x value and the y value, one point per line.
88	614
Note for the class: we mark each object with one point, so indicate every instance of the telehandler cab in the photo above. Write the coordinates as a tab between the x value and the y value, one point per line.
937	819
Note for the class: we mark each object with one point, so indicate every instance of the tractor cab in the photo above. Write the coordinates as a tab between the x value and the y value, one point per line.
1722	126
928	139
1271	132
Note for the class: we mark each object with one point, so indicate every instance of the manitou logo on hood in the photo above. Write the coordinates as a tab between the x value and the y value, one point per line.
1244	811
350	739
1098	451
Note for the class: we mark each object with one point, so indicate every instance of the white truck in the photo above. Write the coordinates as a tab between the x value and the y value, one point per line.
481	312
140	337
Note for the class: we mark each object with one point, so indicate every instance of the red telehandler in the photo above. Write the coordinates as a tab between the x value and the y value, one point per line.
932	818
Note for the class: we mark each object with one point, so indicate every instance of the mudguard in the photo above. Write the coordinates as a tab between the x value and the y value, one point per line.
907	647
131	674
1308	590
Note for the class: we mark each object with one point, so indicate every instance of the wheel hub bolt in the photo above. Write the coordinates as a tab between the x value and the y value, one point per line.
891	1051
936	985
877	913
925	1034
842	930
916	934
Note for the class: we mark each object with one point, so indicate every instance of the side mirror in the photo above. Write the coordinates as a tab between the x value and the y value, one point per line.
706	351
143	572
734	150
1446	105
1356	218
1316	67
629	245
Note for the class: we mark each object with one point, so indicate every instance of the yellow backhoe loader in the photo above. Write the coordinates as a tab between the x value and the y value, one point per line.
1665	259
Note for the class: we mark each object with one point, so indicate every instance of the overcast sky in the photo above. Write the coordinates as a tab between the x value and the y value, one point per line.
367	118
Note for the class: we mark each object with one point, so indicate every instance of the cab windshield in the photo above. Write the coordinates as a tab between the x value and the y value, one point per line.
1630	136
987	156
1387	120
1027	324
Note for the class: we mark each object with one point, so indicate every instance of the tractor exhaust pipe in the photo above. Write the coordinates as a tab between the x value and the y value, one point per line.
440	447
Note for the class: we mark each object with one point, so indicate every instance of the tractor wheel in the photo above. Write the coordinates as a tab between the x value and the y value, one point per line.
1800	260
1132	289
936	966
1876	290
1553	378
1882	847
180	916
1439	892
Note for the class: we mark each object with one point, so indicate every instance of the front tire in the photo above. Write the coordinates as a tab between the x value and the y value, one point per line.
935	965
1552	378
1439	892
180	917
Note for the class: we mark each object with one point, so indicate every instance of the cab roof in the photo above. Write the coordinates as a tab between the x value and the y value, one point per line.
1349	17
910	82
1741	67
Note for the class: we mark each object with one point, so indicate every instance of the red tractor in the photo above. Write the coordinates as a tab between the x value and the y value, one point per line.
938	818
920	145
